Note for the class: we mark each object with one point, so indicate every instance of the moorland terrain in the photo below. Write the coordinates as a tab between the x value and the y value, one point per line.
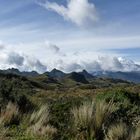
74	106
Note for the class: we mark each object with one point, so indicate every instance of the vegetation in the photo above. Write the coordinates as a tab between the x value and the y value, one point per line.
43	108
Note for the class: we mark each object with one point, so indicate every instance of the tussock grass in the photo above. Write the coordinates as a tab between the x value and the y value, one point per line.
40	116
102	112
88	119
10	114
39	124
117	132
121	131
83	115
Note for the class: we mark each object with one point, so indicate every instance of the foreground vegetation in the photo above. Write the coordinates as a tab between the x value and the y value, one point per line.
96	111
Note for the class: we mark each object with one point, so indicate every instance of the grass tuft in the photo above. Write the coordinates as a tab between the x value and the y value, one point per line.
39	124
88	119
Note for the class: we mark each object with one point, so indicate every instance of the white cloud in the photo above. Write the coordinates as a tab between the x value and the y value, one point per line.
80	12
10	59
91	61
34	64
52	47
2	46
54	57
104	63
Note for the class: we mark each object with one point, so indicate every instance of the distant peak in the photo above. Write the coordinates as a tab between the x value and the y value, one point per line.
56	71
84	71
13	69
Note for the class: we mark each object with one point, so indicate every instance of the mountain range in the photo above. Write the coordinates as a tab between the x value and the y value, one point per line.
80	77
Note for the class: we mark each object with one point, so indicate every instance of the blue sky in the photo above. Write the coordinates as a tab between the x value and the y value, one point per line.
44	28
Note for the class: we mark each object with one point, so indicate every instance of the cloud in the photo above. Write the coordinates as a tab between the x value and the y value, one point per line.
102	63
92	66
21	62
71	61
54	50
72	67
110	63
15	59
80	12
52	47
2	46
34	64
25	63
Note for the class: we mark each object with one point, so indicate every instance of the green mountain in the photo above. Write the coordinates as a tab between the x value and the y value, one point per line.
55	74
17	72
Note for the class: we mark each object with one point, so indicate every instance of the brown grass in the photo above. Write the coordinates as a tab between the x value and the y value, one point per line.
88	119
39	124
9	114
121	131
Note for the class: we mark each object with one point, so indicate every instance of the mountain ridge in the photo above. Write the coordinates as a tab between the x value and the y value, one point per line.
133	76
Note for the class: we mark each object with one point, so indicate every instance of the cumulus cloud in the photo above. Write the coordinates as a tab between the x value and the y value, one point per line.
34	64
102	63
72	67
21	62
80	12
110	63
52	47
92	66
91	61
15	59
54	50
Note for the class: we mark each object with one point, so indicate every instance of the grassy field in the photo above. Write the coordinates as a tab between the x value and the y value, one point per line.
101	110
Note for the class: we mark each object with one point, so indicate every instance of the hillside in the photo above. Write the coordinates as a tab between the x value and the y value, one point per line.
41	107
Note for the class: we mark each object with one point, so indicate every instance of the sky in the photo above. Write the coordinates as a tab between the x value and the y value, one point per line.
70	35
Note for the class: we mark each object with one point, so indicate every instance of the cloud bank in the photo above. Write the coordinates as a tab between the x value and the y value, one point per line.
104	63
91	61
13	59
67	62
80	12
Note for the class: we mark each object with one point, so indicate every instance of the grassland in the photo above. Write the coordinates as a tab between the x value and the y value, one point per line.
43	109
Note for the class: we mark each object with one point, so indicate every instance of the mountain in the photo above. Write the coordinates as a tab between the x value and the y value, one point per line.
55	74
128	76
76	77
17	72
87	75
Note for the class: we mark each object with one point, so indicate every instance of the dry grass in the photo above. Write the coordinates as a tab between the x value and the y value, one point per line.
41	116
83	115
102	111
39	124
136	135
89	118
122	132
9	114
117	132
